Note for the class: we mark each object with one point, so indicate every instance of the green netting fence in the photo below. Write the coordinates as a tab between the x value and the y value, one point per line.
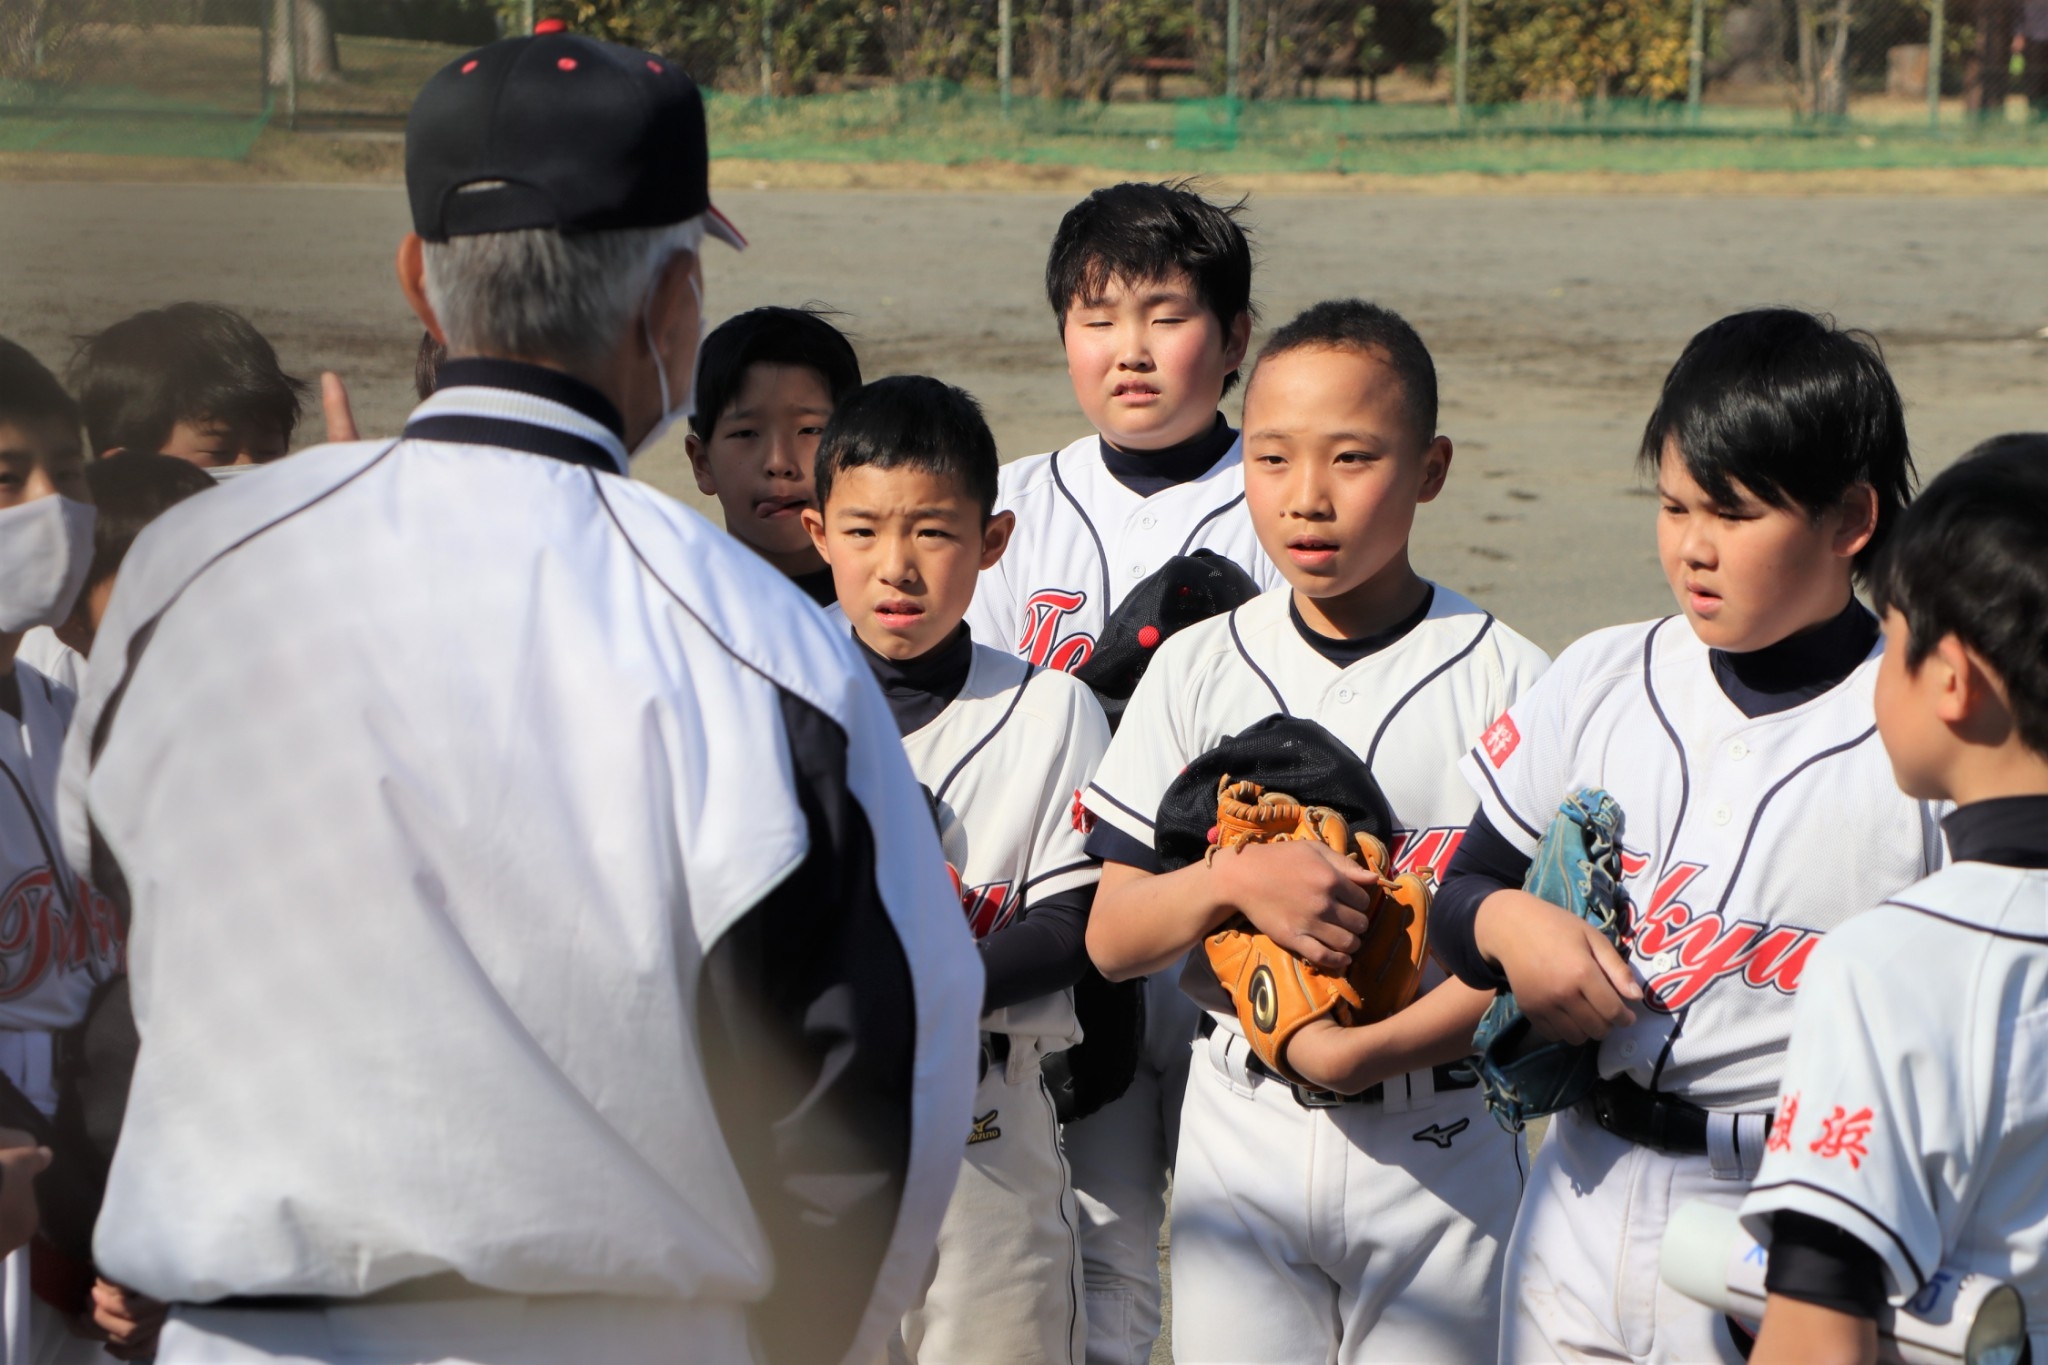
952	125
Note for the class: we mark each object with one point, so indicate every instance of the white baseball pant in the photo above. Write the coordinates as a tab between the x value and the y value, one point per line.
501	1330
1364	1232
1007	1282
1120	1156
1582	1280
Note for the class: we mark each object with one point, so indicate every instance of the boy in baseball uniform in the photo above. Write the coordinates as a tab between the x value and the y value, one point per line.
767	381
906	489
1362	1217
62	938
1912	1119
1150	286
194	380
1738	739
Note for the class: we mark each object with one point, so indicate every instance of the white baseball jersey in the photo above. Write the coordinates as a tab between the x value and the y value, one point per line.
1083	540
51	657
1006	762
1355	1258
1915	1105
58	938
1744	840
1408	711
428	922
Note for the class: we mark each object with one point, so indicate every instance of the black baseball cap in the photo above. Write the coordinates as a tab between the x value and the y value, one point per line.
1186	589
558	131
1287	754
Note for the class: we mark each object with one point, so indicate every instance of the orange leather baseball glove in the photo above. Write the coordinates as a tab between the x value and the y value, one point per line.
1274	991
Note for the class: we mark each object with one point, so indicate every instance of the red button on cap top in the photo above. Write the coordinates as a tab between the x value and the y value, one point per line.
566	63
551	26
1148	636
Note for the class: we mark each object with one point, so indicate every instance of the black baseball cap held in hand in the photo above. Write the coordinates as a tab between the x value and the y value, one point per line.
558	131
1287	754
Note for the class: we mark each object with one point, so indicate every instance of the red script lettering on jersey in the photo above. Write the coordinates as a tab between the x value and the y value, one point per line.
1500	739
1710	948
1042	644
988	907
1427	852
40	937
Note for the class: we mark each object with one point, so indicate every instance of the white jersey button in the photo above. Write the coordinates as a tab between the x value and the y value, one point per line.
1627	1048
1344	694
1737	750
1137	570
1722	815
1146	523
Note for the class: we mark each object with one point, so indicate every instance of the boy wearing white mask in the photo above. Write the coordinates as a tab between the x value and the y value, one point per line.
63	938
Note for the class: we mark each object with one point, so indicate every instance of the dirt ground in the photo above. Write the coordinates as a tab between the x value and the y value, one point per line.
1552	317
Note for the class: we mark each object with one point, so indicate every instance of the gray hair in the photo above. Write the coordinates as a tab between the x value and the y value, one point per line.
546	295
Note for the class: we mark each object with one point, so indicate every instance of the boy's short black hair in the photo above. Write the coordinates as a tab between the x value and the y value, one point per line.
29	393
1140	231
426	366
188	362
129	491
1367	328
1970	559
1795	409
911	421
769	336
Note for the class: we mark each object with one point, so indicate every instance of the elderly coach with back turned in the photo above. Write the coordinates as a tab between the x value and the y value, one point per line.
546	955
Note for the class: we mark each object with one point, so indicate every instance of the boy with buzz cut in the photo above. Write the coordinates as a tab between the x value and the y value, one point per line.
1758	812
1911	1120
906	487
1362	1216
1150	287
194	380
767	382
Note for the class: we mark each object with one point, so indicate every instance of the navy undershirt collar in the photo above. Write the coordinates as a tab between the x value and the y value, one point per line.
1345	653
1146	472
918	689
817	585
2009	830
1794	671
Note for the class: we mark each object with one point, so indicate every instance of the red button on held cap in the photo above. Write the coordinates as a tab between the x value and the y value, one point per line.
469	66
567	64
551	26
654	66
1148	636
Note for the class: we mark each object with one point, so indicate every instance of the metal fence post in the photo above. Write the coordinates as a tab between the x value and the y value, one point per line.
1233	21
1004	53
291	64
1935	38
1696	61
1461	60
526	16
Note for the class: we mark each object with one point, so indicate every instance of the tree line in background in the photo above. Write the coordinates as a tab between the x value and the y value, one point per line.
1583	50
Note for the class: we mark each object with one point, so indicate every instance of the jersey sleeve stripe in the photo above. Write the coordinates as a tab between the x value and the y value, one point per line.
1016	696
1084	865
1208	517
1969	924
1145	820
1479	762
1801	1198
1372	750
1101	554
1249	662
1756	819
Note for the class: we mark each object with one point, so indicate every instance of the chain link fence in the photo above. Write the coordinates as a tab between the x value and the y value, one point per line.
1144	85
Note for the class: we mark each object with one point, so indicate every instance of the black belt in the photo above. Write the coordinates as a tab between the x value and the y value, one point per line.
1663	1123
1447	1076
432	1289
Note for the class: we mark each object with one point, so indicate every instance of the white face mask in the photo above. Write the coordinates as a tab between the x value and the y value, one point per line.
683	411
45	550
